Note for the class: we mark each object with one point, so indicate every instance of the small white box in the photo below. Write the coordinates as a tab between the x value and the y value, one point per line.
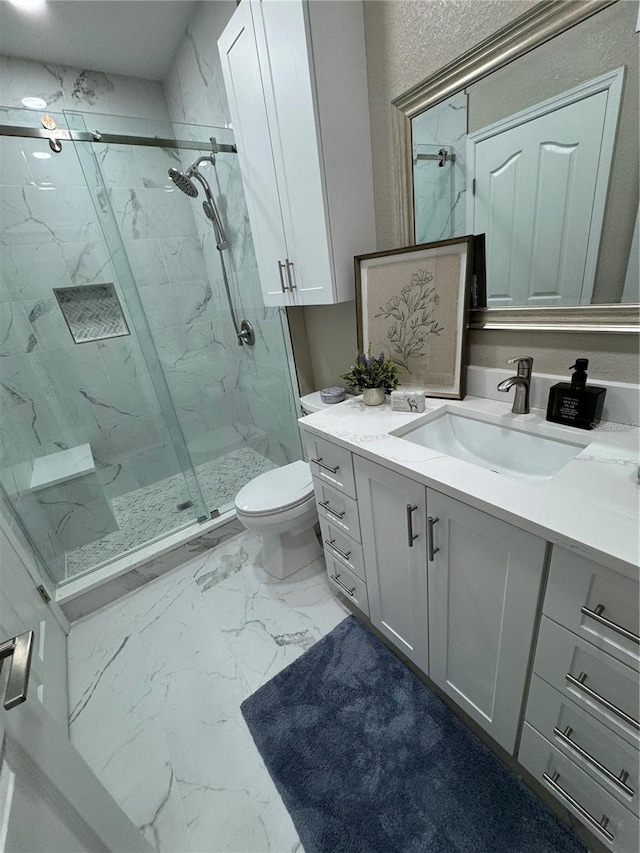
408	401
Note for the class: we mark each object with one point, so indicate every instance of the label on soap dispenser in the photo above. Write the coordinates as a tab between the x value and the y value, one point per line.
569	407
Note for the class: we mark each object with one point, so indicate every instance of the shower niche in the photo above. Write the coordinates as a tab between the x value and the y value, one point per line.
92	312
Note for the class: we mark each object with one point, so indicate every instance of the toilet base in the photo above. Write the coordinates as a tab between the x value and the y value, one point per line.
287	553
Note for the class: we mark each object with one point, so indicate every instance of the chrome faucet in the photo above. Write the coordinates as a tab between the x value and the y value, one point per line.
522	381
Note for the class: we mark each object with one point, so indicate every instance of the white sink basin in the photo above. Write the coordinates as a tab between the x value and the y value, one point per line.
501	448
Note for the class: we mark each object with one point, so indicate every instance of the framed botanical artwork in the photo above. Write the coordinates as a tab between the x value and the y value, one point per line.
412	304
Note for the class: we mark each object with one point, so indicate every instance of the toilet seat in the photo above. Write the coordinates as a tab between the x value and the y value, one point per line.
276	491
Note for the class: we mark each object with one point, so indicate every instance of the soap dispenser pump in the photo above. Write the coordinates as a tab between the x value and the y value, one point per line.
575	403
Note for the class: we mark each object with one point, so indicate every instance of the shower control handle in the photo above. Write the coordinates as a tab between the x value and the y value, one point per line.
281	268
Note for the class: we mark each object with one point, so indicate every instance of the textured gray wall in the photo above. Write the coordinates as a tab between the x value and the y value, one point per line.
407	40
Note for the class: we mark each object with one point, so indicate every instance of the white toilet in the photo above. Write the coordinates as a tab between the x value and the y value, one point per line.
280	506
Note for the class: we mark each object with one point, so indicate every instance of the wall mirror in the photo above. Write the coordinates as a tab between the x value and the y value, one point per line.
532	138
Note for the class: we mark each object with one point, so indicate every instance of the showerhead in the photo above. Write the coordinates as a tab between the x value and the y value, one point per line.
208	211
184	183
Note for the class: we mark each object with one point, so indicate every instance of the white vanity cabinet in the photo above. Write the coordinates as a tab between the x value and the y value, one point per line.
295	75
454	589
393	523
581	736
484	579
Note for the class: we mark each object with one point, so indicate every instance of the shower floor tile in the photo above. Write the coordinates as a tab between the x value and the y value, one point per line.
152	511
155	684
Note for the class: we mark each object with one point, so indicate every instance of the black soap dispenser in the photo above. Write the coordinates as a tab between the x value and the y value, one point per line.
575	404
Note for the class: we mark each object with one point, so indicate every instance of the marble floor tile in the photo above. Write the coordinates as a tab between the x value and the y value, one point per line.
156	682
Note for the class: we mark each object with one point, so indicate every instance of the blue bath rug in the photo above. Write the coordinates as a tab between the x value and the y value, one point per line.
368	760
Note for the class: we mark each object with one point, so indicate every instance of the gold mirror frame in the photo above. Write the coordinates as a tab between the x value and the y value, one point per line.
546	20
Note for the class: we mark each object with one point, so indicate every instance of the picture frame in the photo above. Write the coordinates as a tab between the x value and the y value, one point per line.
413	305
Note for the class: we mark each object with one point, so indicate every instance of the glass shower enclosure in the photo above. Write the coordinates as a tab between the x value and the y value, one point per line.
129	409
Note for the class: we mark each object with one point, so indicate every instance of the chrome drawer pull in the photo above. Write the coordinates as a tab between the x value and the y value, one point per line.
620	780
600	825
342	586
579	683
411	536
325	505
331	544
598	617
325	466
432	551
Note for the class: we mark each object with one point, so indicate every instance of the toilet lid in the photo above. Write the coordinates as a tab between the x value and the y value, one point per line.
275	490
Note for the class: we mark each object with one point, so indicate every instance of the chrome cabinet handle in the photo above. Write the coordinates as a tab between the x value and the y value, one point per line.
620	780
342	586
289	266
19	649
326	467
325	505
330	543
431	550
600	825
579	683
596	615
411	536
281	268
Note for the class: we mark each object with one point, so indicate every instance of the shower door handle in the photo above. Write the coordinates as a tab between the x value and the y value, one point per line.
281	268
19	649
289	266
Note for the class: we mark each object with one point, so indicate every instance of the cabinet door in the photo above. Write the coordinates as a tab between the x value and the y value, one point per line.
484	586
243	82
284	45
396	571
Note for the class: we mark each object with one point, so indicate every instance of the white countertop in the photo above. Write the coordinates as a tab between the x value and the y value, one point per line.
591	506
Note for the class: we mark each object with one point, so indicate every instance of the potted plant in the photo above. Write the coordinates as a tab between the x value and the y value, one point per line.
374	377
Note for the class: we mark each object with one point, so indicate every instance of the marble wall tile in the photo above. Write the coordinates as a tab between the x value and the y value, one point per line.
185	346
183	257
147	213
19	381
79	89
47	324
31	272
88	261
147	262
77	511
35	429
16	334
79	366
32	215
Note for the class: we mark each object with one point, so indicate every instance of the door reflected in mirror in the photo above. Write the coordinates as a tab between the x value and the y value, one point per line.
542	156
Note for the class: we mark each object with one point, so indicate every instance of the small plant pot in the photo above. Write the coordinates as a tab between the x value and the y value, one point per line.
373	396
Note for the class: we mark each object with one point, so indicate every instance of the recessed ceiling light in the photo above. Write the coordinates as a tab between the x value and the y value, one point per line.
41	155
34	103
28	5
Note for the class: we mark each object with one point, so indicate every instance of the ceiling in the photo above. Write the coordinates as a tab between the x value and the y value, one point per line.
138	38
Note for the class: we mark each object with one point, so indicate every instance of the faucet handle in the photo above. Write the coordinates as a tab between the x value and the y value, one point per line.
524	362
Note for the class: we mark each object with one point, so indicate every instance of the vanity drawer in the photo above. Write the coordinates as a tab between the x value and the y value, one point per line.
609	691
338	544
331	464
596	603
336	507
608	759
579	793
350	585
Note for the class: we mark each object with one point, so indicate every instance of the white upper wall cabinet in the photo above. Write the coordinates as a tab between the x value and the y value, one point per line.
295	74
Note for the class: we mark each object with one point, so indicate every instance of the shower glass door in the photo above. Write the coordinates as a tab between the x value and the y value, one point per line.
235	404
118	345
87	425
